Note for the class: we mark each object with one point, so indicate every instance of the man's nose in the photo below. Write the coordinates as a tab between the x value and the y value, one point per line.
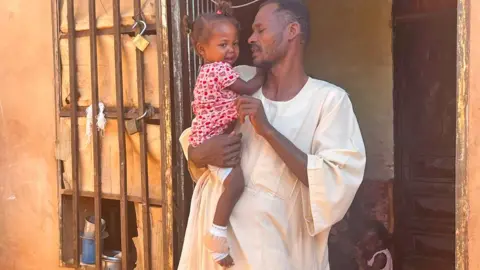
252	39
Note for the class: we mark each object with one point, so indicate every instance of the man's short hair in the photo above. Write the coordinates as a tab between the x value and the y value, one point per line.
294	11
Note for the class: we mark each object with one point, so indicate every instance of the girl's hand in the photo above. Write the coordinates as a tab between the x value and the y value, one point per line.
253	108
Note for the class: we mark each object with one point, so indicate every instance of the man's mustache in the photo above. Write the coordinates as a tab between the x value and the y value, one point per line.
255	47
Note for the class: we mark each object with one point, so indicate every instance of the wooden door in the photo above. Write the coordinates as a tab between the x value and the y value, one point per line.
425	115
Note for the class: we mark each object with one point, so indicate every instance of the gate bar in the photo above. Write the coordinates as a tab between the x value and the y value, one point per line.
96	142
196	59
124	29
74	127
121	134
111	112
165	154
143	148
55	6
181	113
191	57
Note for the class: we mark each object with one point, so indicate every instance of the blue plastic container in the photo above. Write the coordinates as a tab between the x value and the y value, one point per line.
88	250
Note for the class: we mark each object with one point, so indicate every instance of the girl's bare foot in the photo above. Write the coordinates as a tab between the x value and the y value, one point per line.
227	262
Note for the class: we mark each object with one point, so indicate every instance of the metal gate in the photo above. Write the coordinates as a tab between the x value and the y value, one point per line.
73	182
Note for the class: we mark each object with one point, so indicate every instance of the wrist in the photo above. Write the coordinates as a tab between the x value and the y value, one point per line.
194	156
268	132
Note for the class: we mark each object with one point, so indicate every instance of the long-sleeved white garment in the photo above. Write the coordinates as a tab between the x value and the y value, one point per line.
279	223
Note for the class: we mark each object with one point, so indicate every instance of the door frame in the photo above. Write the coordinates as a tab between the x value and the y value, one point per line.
180	172
461	203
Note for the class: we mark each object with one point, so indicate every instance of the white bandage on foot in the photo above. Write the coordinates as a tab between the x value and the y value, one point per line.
218	231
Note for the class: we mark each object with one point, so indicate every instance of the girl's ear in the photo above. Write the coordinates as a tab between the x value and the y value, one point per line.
200	49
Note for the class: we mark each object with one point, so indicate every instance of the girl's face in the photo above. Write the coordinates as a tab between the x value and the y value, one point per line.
370	242
222	44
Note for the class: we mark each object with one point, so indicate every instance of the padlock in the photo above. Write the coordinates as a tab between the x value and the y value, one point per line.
132	126
140	42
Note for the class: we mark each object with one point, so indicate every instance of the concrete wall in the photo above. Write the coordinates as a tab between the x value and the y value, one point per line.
28	211
351	47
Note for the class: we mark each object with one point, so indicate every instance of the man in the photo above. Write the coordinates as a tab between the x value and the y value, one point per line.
302	156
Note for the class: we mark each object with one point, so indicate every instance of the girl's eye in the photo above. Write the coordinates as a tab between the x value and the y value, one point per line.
235	44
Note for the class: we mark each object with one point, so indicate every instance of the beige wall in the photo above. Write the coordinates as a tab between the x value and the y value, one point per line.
28	201
351	47
473	139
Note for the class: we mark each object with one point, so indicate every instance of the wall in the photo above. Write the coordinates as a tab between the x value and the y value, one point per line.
473	137
351	47
28	212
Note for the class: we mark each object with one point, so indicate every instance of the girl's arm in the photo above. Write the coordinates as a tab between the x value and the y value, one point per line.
242	87
379	263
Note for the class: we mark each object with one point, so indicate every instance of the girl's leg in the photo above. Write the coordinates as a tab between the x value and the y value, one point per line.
234	185
216	240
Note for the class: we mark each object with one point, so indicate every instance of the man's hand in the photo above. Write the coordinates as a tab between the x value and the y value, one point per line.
221	151
253	108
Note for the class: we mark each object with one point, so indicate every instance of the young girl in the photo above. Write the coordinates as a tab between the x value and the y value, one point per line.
372	249
215	39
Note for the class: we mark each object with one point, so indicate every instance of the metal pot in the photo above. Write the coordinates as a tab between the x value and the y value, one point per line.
89	228
112	260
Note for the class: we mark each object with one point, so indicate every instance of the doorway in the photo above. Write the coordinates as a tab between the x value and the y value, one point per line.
425	120
397	62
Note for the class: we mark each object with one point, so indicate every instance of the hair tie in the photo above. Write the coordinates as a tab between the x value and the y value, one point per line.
219	12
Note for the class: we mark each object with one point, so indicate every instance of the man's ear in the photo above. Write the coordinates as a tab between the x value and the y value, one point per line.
294	30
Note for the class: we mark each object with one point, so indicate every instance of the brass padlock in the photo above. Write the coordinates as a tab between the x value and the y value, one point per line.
140	42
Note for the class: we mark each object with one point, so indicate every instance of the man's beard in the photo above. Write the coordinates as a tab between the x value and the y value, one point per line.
266	65
261	63
274	47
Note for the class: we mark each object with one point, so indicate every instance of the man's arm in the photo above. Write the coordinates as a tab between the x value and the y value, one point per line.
334	166
210	153
221	151
294	158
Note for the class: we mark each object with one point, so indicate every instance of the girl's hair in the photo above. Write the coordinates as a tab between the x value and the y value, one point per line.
200	28
381	231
